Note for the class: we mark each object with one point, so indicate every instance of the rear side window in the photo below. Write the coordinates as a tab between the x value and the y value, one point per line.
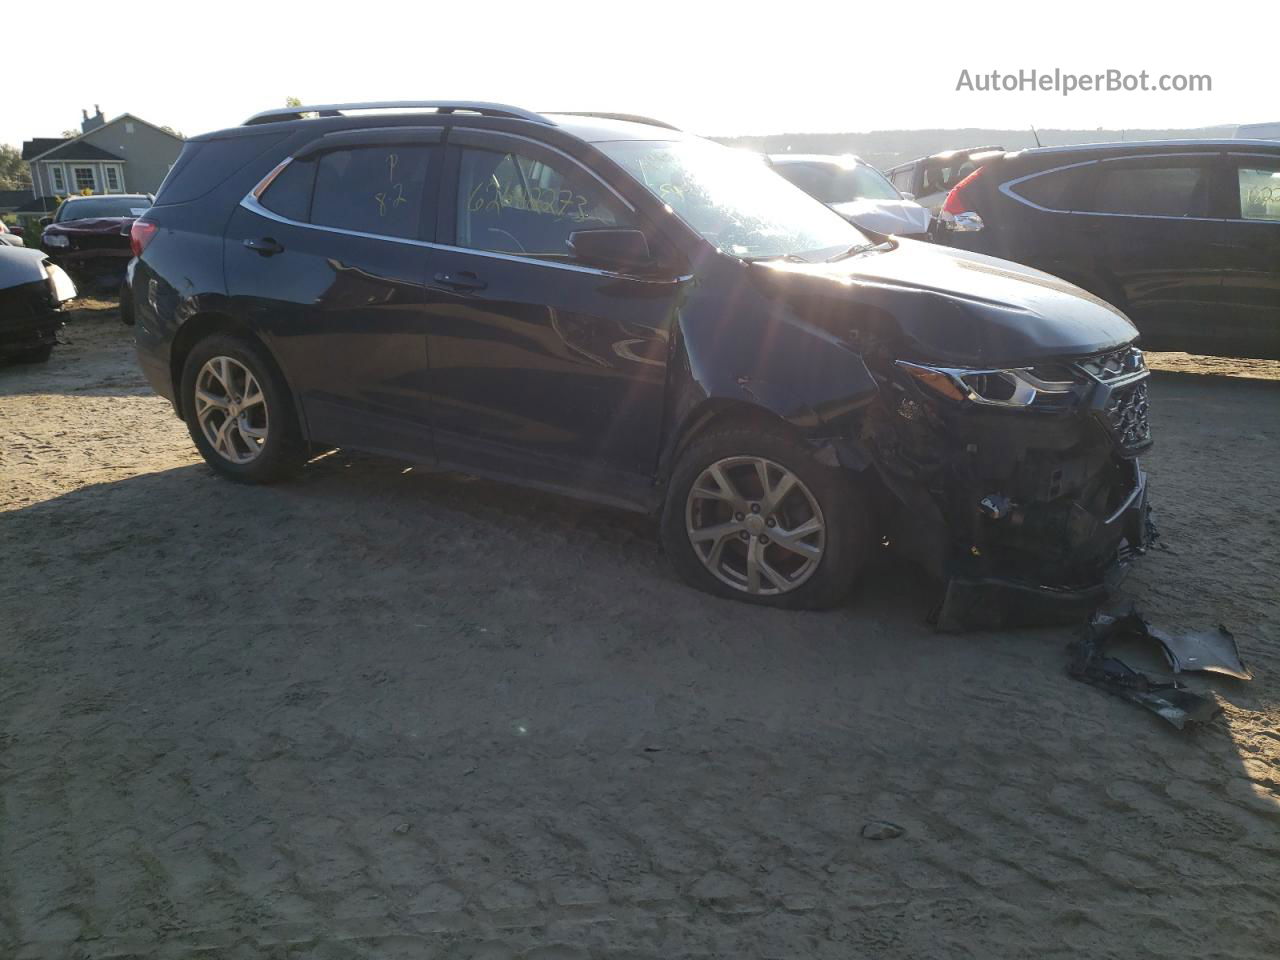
377	190
1054	190
1259	183
1153	189
205	164
290	192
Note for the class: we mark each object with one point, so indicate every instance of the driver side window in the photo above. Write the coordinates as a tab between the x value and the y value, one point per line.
512	203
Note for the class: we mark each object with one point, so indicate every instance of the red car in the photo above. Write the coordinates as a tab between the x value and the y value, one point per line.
89	237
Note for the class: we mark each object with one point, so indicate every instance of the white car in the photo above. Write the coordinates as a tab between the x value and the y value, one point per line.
857	191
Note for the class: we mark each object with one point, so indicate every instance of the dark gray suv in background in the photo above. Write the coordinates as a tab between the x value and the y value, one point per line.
1184	236
618	310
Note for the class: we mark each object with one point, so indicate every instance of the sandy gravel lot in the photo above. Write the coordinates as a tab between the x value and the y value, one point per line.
380	713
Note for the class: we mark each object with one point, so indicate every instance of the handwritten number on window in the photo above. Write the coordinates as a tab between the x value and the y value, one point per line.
393	196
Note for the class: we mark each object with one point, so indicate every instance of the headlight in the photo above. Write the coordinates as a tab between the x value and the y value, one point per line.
57	240
1015	387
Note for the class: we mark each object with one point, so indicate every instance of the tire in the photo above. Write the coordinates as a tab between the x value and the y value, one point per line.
126	304
263	443
830	495
40	354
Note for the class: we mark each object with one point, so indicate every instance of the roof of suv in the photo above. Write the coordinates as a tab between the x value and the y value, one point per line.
834	159
1148	146
109	196
589	126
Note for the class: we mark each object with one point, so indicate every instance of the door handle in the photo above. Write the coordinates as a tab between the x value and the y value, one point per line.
465	280
264	246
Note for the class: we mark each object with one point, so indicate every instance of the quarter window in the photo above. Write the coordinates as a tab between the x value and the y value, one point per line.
1152	190
1259	192
511	203
377	190
1053	190
290	192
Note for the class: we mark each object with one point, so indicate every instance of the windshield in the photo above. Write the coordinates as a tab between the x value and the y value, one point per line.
734	200
91	208
837	183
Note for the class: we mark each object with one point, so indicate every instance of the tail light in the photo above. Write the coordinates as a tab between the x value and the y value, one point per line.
957	201
140	235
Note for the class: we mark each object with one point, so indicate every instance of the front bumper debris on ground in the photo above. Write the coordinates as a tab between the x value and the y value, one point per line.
1214	652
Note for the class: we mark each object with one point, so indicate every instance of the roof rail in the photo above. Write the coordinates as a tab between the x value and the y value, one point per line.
629	117
440	106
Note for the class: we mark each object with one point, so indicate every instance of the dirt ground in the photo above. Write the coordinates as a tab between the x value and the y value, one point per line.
381	713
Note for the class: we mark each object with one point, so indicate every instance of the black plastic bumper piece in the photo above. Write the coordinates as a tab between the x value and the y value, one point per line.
978	603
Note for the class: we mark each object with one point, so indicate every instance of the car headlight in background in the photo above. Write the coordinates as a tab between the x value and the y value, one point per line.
1015	387
57	240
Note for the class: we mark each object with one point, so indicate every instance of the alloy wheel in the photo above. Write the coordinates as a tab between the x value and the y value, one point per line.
231	409
755	525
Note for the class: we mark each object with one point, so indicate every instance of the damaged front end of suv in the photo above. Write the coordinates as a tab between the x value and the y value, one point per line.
1003	431
1022	485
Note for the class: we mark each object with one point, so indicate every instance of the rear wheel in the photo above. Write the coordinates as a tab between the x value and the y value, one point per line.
239	411
751	515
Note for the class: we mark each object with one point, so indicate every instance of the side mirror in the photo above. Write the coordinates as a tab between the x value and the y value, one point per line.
907	196
45	221
611	248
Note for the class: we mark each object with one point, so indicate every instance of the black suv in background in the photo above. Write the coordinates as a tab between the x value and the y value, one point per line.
1184	236
623	312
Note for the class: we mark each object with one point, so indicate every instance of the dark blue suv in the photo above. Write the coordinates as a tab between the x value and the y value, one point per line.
605	306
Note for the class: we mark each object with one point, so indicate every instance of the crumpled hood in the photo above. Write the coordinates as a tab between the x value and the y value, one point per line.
97	226
889	217
961	308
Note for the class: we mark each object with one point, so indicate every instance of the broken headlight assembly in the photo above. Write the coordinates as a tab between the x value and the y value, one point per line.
1012	387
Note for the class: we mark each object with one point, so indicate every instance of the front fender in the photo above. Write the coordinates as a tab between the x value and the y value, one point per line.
762	360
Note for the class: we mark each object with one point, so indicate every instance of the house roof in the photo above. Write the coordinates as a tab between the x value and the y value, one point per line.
37	148
39	145
79	150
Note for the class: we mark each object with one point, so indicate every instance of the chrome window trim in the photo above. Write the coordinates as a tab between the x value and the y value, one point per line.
504	135
1147	216
253	205
1007	187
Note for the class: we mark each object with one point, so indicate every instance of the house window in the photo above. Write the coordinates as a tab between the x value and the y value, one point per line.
113	179
84	178
59	180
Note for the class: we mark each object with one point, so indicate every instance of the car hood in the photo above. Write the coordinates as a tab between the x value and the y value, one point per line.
887	217
96	225
954	307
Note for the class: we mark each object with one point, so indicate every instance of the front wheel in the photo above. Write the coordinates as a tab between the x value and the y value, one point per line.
750	514
239	411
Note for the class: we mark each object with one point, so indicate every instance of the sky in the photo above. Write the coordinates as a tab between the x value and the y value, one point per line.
713	68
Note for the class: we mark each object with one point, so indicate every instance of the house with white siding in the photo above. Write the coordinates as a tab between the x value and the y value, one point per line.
123	155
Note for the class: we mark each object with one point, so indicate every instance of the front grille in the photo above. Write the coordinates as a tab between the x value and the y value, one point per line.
90	241
1112	366
1126	415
